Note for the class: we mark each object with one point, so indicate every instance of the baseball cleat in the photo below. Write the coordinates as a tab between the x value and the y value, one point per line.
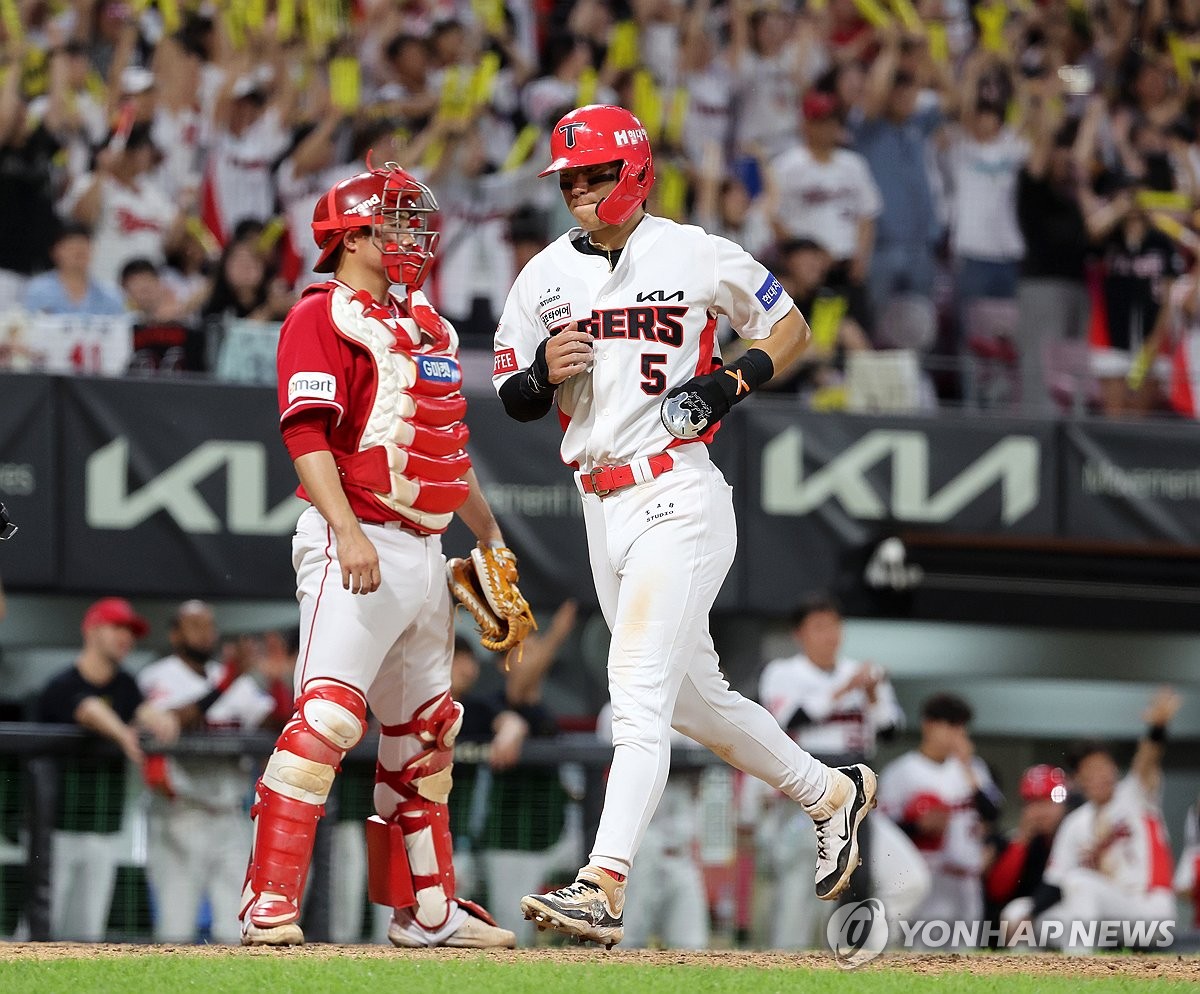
589	909
473	933
289	934
837	817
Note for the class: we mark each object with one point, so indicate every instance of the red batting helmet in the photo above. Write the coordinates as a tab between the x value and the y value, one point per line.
600	133
1043	783
390	202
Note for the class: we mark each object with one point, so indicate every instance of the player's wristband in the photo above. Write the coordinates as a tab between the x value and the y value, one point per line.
1156	733
535	381
745	374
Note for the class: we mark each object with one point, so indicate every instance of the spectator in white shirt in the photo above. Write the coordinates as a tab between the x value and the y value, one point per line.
131	216
827	193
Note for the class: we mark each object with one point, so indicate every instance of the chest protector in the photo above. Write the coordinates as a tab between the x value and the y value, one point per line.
410	456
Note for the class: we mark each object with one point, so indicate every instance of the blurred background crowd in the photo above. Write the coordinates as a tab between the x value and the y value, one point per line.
997	196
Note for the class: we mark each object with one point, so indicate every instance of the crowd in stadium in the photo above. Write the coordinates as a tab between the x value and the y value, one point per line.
1004	189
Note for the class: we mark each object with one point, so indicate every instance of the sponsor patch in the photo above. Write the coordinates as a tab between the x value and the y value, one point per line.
311	386
505	362
439	369
553	316
770	293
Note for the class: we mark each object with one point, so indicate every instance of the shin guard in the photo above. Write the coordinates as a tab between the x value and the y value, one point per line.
290	798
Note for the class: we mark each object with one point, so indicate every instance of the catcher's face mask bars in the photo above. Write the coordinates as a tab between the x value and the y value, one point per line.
7	528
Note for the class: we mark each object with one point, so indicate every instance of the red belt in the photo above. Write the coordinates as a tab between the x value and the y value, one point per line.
604	480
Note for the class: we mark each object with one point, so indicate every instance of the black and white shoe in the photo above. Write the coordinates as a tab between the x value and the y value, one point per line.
589	909
836	817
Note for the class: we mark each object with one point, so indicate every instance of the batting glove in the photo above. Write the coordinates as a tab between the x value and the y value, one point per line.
688	411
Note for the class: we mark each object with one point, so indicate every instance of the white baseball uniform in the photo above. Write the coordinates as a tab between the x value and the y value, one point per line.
955	858
1112	861
199	837
841	726
659	549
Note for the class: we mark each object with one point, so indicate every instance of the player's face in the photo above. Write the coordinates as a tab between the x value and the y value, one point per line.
198	632
585	187
1043	816
1097	777
820	636
113	642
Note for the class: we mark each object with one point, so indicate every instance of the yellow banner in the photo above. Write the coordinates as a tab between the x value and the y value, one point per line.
677	116
826	320
522	146
873	13
271	233
647	104
589	81
11	19
623	46
171	18
939	42
199	231
1163	200
908	16
490	13
991	19
255	13
672	191
483	79
285	19
345	83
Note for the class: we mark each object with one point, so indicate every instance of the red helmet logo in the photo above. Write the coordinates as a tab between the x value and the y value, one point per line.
398	209
601	133
1044	783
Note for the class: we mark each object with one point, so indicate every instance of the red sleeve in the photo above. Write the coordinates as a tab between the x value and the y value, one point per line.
307	431
1002	879
309	361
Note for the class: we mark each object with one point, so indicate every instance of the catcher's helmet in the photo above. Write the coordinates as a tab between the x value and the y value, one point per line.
1043	783
600	133
392	203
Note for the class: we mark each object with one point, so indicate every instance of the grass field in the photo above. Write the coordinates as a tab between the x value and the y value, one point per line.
73	969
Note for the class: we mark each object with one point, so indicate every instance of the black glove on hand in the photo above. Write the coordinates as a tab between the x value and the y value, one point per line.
688	411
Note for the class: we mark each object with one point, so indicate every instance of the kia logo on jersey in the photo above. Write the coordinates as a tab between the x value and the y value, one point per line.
438	370
659	295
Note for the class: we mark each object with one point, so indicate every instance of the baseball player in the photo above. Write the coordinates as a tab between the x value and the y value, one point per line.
1111	859
833	707
369	390
608	322
198	838
941	794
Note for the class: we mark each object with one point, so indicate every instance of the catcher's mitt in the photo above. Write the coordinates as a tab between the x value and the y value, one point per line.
486	585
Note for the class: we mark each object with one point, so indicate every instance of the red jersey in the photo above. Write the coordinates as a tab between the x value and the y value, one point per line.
389	373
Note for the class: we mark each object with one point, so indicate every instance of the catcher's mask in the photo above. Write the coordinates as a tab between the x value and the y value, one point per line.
600	133
398	209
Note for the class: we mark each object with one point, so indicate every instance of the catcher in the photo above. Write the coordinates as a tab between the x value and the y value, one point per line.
372	416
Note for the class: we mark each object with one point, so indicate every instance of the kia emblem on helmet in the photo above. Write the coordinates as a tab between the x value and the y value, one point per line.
568	131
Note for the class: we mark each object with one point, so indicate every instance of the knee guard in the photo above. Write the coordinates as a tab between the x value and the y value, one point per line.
409	850
290	796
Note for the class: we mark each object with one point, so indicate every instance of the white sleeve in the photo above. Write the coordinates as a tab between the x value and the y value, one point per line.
894	789
518	334
886	712
1065	852
746	291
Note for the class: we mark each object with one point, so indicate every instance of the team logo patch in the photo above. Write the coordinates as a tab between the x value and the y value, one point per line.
505	362
311	386
568	132
770	293
438	369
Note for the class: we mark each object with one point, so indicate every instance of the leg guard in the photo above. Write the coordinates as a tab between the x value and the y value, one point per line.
415	805
329	720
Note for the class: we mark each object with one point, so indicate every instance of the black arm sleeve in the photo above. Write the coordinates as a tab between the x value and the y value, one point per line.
987	809
798	719
529	394
1046	896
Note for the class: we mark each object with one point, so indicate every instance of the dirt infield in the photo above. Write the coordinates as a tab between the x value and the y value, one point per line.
1146	967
